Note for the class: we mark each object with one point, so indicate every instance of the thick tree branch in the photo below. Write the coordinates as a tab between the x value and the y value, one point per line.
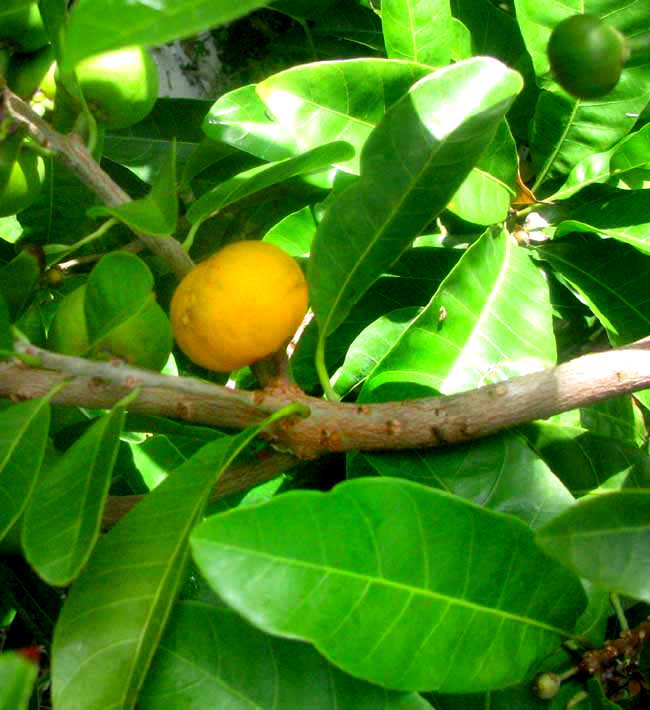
74	154
335	426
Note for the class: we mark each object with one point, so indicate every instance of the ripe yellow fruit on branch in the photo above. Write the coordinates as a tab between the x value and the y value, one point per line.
239	306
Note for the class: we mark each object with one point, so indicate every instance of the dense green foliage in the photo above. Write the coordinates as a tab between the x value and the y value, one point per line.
461	219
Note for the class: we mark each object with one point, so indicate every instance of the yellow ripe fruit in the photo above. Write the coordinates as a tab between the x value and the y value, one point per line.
239	306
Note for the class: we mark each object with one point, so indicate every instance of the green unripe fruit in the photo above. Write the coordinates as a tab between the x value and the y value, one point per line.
587	56
21	25
120	87
24	183
28	71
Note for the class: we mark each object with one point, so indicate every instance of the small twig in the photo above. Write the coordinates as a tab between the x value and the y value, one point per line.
74	154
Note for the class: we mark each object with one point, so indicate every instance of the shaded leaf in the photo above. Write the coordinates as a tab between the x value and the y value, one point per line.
63	518
23	436
610	277
605	539
17	678
6	339
202	654
500	473
294	233
416	566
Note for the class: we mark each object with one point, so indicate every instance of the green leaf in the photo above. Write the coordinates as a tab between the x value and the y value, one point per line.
18	280
610	277
418	30
118	287
17	678
620	214
489	320
6	339
294	233
339	100
115	612
63	518
486	194
256	179
239	119
98	26
380	575
605	539
23	436
487	472
413	162
595	168
585	461
565	129
157	213
204	649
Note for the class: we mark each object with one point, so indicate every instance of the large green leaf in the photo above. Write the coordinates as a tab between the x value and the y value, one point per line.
204	649
411	165
605	539
393	582
418	30
566	129
23	436
259	178
340	100
489	320
63	518
501	473
115	612
621	214
610	277
17	677
98	26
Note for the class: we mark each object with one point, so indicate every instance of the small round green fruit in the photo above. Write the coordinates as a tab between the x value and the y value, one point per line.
24	183
22	26
587	56
120	87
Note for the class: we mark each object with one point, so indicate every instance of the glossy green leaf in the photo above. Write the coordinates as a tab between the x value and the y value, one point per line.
486	194
595	168
585	461
500	473
340	100
256	179
119	286
489	320
623	215
605	539
23	436
202	654
17	678
380	575
98	26
239	119
610	277
566	130
115	612
418	30
413	162
62	521
155	214
294	233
